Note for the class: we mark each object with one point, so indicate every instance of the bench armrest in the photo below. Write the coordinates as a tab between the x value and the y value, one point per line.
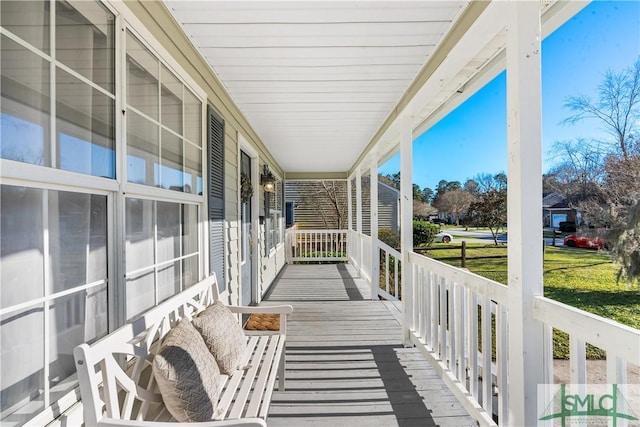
273	309
246	422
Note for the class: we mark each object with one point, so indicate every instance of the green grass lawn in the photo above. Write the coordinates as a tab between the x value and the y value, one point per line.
582	278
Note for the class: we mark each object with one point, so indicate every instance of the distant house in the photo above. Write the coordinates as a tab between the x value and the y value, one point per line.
556	209
323	205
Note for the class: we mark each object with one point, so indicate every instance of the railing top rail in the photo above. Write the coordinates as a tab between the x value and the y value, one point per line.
494	290
606	334
298	231
382	245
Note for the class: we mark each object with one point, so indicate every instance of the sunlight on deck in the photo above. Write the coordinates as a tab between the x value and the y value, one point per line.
345	360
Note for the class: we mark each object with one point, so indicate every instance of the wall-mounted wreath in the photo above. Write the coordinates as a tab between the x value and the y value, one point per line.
246	189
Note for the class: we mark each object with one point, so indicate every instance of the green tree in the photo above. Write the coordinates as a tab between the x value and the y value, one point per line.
490	208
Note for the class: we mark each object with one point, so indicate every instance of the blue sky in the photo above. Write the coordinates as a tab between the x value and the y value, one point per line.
472	139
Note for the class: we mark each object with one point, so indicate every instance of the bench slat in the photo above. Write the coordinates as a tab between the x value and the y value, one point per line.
272	378
266	367
249	376
232	384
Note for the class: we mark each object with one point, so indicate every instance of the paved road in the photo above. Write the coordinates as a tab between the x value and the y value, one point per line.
484	236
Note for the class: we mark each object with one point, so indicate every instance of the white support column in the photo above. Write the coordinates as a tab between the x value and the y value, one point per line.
358	200
349	207
375	250
525	257
406	224
359	218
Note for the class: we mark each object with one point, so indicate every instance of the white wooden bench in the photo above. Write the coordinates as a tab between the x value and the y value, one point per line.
118	388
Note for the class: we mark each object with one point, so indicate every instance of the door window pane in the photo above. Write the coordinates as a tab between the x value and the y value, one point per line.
168	280
85	40
76	250
190	271
192	169
21	245
22	364
142	150
140	235
74	319
86	121
171	174
24	107
171	100
142	78
77	239
140	293
192	118
29	20
168	215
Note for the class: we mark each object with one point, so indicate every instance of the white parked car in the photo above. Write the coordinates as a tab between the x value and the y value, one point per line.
443	237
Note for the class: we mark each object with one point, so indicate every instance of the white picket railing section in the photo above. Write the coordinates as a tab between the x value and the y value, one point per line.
457	315
390	279
459	321
316	245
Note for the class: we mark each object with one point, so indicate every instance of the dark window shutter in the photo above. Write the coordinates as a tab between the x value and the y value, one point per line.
215	138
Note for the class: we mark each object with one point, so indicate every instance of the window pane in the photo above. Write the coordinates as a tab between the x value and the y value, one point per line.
168	215
21	245
142	78
24	107
189	229
77	239
29	20
192	169
86	124
168	280
171	174
140	225
190	273
171	100
74	319
21	364
142	150
140	294
192	118
85	41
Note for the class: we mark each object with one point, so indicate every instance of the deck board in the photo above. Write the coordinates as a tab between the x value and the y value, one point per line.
345	361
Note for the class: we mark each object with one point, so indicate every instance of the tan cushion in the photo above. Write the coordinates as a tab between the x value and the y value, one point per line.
187	374
223	335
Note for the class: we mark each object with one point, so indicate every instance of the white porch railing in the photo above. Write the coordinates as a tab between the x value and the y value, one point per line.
389	286
315	245
459	321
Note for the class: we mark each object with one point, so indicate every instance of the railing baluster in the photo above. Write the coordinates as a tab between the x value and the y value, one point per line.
386	271
459	325
442	352
577	360
435	337
501	362
452	327
473	344
487	378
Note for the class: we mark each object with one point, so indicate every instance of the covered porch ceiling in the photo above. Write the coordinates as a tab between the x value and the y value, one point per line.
324	83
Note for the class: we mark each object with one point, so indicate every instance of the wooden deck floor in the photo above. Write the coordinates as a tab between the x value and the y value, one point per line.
346	365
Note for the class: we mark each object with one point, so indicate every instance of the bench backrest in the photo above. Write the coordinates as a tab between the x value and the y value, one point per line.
114	372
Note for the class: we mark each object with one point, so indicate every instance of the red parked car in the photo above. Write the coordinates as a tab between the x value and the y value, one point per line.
575	241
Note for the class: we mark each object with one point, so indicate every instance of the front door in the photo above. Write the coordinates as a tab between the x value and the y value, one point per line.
246	238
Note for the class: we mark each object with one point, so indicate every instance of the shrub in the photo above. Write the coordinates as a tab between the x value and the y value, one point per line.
424	233
390	237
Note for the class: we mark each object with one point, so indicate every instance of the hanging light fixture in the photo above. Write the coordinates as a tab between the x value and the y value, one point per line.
267	180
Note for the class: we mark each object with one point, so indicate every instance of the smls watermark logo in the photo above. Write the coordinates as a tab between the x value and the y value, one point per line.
589	404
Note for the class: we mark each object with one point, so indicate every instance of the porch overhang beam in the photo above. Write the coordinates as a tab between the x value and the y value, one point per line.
315	176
